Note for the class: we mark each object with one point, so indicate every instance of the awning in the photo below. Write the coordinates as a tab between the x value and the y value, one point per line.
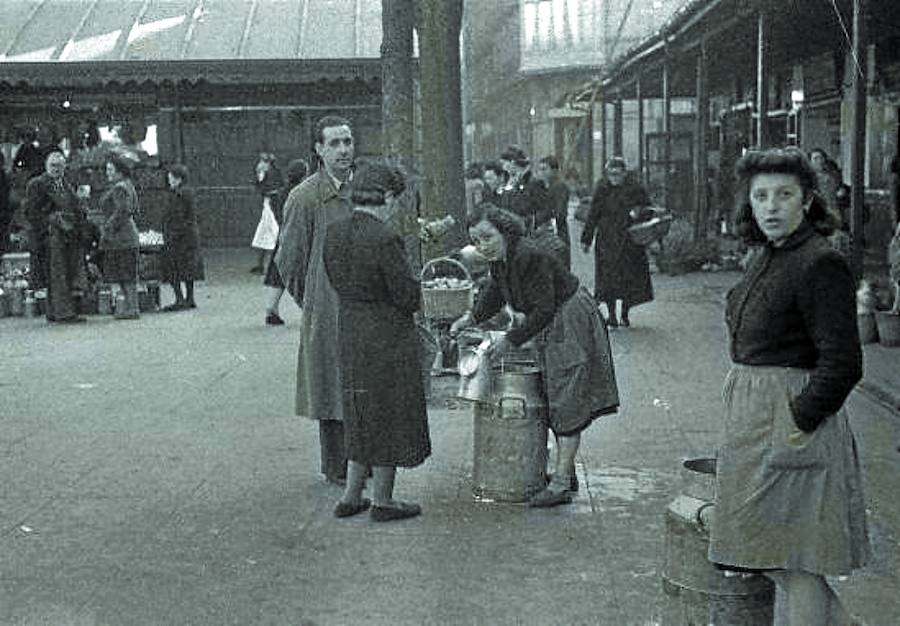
52	42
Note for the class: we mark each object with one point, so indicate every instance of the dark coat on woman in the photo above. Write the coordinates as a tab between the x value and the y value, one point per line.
180	255
385	422
621	269
796	307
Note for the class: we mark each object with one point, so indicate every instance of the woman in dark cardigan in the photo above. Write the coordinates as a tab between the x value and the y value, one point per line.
180	256
552	309
385	423
789	500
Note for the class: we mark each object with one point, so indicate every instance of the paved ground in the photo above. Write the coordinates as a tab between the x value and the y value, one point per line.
153	473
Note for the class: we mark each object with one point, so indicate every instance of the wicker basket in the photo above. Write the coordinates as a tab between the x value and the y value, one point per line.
445	302
645	233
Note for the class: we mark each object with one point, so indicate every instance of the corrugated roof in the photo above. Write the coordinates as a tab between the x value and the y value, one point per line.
189	30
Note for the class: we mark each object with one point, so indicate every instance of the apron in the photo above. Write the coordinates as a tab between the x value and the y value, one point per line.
579	377
785	499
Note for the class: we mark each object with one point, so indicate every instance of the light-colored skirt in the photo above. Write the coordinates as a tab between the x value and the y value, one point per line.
785	499
266	235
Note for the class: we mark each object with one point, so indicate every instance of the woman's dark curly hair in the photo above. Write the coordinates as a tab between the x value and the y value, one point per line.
372	181
791	161
509	224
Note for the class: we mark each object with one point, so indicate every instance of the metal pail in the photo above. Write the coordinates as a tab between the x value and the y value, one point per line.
696	591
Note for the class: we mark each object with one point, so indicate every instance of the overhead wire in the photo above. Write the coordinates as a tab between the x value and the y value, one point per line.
847	37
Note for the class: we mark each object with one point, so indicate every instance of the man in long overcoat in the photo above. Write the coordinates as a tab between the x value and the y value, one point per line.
310	207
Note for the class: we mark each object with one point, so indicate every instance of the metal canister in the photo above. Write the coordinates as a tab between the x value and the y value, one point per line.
28	306
16	300
104	302
510	435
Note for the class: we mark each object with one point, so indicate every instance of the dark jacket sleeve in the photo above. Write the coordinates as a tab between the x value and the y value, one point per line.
33	206
559	201
539	201
489	302
539	292
404	288
827	298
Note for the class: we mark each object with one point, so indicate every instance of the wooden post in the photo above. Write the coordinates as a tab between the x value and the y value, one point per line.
762	82
617	124
603	131
667	131
642	173
179	127
858	139
701	130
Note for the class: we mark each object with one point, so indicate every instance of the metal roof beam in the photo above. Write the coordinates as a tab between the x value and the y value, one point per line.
58	56
248	24
189	33
301	34
28	20
124	43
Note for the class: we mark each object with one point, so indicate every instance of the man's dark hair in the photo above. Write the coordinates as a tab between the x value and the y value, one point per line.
330	121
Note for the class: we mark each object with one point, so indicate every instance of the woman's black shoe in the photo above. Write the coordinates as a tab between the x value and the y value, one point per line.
399	510
347	509
573	482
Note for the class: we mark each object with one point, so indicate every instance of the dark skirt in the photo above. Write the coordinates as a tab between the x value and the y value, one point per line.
385	419
120	266
622	273
579	376
181	263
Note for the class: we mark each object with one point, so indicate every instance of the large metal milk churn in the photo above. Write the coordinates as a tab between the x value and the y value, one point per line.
510	426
